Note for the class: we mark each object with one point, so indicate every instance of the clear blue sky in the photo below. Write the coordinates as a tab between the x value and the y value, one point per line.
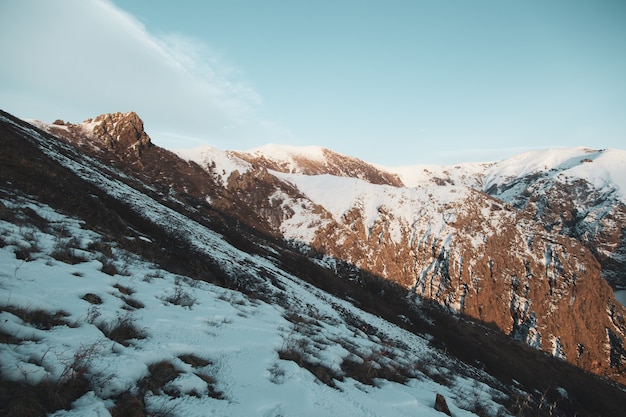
391	82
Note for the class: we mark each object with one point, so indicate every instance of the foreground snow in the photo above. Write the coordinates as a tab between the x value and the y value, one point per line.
238	337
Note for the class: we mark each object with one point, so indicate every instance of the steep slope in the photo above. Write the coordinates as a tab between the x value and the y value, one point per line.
450	243
90	326
576	192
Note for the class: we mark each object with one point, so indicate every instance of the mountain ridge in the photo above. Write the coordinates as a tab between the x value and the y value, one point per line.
443	240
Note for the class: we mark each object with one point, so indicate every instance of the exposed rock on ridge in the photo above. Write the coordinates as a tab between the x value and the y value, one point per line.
324	162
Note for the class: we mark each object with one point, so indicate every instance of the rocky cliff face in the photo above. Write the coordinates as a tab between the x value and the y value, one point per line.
486	260
565	203
526	261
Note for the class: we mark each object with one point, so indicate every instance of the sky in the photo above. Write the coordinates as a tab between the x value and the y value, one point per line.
391	82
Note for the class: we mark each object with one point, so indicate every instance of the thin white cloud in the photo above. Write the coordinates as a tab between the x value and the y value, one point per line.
79	58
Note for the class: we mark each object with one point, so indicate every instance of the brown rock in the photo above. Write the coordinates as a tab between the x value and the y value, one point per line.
121	132
441	405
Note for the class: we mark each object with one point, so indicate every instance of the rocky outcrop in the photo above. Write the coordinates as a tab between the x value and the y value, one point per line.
121	132
441	404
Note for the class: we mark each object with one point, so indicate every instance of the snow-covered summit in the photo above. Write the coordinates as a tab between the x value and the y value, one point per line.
605	169
289	154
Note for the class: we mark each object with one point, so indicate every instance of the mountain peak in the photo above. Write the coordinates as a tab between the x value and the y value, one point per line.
120	131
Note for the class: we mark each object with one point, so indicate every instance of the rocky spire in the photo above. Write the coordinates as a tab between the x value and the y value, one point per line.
121	132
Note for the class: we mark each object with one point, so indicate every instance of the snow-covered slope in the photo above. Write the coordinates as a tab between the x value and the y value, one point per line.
207	156
223	349
341	195
80	311
442	236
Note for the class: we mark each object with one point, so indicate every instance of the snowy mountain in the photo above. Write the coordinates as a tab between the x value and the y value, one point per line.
576	192
445	237
137	281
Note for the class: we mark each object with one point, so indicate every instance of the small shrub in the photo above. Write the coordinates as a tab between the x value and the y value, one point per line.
26	252
198	362
153	275
108	266
105	249
128	405
277	374
41	399
133	303
93	312
160	373
440	375
47	396
38	318
20	400
181	297
92	298
122	330
123	289
210	382
295	350
64	251
362	371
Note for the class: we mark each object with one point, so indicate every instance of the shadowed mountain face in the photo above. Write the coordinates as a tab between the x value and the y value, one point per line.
526	251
